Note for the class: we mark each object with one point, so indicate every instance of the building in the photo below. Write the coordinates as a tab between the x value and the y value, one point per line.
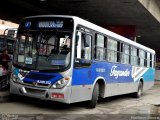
6	25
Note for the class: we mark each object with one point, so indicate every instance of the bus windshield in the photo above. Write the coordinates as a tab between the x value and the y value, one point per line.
43	50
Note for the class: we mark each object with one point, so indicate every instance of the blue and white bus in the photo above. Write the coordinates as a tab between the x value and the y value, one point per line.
68	59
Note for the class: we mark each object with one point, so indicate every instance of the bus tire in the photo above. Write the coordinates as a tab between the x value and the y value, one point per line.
95	94
138	94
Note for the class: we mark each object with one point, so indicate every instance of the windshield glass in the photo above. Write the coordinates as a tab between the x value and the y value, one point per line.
45	50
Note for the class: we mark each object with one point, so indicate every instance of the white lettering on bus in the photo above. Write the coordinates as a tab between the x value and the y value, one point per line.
118	73
50	24
43	82
101	70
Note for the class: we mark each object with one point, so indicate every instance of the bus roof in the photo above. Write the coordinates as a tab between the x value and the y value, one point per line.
102	30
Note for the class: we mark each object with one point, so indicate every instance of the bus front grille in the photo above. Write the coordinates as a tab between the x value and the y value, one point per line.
33	84
35	91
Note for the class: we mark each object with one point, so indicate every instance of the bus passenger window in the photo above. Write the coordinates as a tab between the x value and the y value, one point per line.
133	56
138	58
142	57
151	60
112	50
118	51
148	59
145	60
100	50
125	54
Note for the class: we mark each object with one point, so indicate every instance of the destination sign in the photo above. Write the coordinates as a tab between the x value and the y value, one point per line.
46	23
50	24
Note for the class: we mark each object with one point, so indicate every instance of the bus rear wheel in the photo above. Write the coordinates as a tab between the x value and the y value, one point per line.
95	94
138	94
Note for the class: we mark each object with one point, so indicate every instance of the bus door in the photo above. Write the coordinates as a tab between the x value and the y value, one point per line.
81	79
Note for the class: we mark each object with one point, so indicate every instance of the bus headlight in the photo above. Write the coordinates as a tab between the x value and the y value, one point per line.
16	79
61	83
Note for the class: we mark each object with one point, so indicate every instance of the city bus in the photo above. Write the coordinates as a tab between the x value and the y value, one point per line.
6	43
7	40
68	59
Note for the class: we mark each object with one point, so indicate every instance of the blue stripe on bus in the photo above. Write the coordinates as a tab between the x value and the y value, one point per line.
149	75
112	73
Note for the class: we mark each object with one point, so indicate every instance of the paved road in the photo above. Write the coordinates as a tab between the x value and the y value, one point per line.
124	104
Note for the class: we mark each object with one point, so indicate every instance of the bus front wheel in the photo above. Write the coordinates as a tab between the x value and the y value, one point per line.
95	94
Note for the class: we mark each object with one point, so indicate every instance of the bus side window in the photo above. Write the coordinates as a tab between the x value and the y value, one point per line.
134	58
112	50
151	60
83	48
142	57
125	53
100	49
118	51
148	59
138	58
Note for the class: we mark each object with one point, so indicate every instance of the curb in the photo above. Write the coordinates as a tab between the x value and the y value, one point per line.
4	96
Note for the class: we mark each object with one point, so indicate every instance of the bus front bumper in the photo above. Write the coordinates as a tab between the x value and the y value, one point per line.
59	95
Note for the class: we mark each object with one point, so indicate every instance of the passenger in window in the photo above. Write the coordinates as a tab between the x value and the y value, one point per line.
53	55
4	59
64	50
54	51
